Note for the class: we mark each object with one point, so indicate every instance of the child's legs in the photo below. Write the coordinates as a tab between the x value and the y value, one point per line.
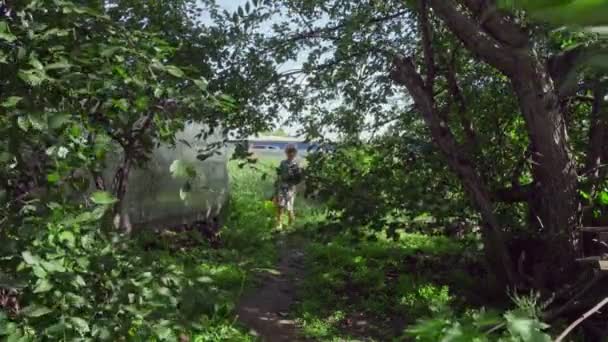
279	215
290	209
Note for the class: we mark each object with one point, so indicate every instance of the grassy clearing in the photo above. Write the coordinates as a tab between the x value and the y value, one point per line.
354	287
375	287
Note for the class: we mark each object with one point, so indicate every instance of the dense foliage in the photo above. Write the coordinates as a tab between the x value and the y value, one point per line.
78	86
481	120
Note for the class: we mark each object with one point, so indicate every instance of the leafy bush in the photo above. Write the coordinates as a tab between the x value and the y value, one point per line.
481	326
78	281
373	185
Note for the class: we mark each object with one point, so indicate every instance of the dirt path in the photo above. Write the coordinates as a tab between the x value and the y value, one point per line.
265	310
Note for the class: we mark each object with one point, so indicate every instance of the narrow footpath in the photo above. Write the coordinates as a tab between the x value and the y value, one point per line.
265	310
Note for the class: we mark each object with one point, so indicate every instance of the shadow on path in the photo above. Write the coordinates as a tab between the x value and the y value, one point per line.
265	310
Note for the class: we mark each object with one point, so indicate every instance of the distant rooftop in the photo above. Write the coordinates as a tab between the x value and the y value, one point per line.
274	138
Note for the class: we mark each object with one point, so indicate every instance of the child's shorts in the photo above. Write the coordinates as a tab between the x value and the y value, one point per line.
286	198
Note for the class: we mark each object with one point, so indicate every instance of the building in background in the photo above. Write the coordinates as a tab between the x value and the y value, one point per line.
273	144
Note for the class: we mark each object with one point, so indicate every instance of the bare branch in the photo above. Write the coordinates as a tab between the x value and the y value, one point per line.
581	319
588	285
322	31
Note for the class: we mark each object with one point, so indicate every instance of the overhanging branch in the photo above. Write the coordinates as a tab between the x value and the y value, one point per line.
493	22
478	42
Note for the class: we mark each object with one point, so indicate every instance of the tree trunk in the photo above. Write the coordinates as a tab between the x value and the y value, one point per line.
554	206
500	42
121	181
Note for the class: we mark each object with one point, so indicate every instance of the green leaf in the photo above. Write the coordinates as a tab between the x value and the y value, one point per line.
11	102
38	122
23	123
9	37
56	330
32	77
526	328
53	177
39	271
35	311
122	104
142	103
175	71
67	236
80	324
58	120
52	266
181	169
603	198
29	258
58	65
42	286
110	51
15	335
35	62
202	84
163	332
183	194
103	198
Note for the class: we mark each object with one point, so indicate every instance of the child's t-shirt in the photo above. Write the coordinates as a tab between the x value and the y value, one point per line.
289	173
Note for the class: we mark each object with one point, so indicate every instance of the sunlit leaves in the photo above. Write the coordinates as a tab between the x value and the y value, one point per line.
175	71
11	102
103	198
34	311
29	258
182	169
583	13
5	34
525	328
78	87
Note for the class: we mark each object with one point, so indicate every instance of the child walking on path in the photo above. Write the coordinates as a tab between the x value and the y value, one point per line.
289	175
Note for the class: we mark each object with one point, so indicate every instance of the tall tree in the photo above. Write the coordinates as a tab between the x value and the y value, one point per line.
358	51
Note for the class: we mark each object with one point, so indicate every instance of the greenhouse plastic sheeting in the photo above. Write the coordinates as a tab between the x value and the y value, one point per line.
156	197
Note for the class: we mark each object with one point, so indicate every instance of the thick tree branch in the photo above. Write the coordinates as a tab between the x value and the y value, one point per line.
496	24
467	30
562	70
427	45
404	73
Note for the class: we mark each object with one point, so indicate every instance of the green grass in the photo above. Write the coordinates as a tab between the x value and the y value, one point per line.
222	275
387	284
391	283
